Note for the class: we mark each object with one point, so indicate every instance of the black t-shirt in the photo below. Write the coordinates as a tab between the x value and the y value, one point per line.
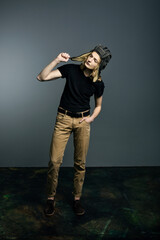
78	88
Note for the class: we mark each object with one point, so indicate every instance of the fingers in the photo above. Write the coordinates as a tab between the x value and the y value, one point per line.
83	119
65	55
87	119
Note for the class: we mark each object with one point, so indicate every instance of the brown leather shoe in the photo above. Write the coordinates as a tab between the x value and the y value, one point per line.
50	207
78	209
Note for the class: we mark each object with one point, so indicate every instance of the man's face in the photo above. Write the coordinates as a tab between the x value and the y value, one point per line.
93	60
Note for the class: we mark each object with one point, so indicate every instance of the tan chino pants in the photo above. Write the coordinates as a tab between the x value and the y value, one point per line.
64	126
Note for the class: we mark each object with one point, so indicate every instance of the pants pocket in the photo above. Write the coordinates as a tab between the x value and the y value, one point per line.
60	116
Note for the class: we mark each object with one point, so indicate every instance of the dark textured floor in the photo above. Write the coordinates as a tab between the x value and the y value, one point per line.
120	203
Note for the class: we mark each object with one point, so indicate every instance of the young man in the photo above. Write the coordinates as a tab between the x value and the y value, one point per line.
82	81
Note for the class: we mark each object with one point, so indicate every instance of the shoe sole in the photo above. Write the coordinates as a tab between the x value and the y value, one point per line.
49	215
80	214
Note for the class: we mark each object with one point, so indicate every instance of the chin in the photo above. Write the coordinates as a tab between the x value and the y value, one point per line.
87	66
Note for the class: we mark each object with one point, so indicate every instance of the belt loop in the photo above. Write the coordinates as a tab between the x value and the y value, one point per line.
82	114
65	112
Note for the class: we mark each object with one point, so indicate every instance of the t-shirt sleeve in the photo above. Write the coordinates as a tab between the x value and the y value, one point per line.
99	88
64	69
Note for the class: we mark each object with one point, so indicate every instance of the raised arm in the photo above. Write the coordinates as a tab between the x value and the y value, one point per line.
47	74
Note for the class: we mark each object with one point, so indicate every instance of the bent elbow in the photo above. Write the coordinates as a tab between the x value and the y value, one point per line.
39	78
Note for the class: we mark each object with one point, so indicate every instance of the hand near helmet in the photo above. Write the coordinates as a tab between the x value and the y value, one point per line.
63	57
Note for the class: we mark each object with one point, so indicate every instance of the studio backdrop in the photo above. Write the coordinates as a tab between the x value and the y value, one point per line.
33	33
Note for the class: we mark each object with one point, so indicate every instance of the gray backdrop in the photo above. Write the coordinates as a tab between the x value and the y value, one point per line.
32	33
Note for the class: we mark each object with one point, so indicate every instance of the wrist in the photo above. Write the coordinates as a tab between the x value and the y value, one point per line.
92	118
57	60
